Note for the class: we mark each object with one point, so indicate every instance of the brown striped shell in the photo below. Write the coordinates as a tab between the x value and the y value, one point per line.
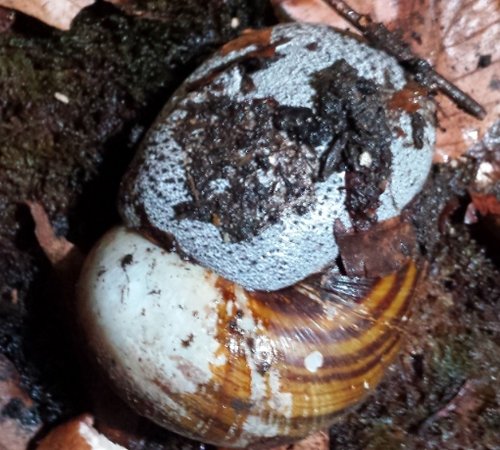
202	356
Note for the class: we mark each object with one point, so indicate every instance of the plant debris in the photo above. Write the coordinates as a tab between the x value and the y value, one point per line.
384	248
452	36
379	36
55	248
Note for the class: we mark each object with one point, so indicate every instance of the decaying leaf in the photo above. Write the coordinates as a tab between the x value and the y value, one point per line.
55	248
459	37
382	249
77	434
486	204
317	11
58	13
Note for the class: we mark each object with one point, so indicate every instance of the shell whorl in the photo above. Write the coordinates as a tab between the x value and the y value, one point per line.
223	365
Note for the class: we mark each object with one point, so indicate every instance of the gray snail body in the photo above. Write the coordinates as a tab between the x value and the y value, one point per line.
208	311
275	70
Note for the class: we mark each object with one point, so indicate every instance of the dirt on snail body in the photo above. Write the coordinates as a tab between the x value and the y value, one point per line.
207	310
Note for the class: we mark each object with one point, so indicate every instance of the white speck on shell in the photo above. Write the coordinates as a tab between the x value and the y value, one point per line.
313	361
365	159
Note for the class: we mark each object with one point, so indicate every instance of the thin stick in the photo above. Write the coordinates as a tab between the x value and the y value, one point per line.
379	36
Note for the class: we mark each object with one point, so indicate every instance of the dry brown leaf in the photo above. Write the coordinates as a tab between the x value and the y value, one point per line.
55	248
77	434
460	37
384	248
57	13
317	11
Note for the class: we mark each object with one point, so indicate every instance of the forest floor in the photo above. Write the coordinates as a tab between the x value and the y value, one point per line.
73	107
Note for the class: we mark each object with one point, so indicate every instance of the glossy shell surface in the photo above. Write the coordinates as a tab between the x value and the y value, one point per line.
204	357
294	245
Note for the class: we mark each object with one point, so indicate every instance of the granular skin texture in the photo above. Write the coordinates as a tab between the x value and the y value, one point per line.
301	242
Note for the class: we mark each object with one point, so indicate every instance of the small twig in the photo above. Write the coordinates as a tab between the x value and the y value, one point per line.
379	36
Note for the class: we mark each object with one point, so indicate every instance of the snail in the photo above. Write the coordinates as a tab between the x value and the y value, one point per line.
217	310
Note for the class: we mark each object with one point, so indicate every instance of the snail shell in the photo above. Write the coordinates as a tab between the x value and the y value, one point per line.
245	168
208	359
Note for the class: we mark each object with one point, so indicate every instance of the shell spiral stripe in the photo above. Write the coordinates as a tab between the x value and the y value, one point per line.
204	357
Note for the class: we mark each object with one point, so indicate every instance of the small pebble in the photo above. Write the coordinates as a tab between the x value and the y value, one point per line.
235	23
61	97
